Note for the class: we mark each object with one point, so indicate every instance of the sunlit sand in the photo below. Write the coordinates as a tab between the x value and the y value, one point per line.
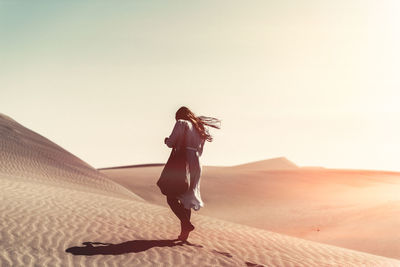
355	209
58	211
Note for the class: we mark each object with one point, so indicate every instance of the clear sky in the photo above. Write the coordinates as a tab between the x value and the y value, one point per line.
314	81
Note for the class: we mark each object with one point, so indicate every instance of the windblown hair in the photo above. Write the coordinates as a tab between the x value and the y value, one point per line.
199	123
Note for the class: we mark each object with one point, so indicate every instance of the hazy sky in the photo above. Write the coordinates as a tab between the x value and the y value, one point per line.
314	81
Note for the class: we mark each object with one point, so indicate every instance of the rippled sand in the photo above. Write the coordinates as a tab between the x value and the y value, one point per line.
58	211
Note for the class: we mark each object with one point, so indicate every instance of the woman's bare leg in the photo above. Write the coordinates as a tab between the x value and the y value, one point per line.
183	215
180	212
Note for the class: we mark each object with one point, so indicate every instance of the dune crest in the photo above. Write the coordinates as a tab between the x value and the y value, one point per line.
280	163
28	156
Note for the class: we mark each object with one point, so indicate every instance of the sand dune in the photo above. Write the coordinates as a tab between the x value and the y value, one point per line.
39	223
353	209
281	163
57	211
38	159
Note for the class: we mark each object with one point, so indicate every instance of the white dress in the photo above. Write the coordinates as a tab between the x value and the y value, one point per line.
194	149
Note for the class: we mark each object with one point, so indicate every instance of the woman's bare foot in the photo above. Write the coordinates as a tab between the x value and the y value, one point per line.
185	230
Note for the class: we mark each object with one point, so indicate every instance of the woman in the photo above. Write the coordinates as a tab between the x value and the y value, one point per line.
193	129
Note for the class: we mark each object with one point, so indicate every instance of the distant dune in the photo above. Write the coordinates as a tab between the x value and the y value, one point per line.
313	167
280	163
133	166
58	211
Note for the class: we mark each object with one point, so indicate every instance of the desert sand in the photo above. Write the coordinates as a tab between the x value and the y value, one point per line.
348	208
57	210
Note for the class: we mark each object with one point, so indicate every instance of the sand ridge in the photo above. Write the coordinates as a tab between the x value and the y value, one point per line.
280	163
29	156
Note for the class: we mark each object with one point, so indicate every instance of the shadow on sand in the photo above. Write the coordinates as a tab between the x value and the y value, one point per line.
135	246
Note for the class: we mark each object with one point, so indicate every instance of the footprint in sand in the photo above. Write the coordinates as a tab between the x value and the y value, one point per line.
230	256
253	264
191	244
226	254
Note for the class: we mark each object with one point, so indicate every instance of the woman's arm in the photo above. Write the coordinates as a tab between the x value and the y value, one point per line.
172	140
200	150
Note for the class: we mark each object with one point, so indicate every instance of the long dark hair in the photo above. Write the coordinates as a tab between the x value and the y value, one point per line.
199	122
